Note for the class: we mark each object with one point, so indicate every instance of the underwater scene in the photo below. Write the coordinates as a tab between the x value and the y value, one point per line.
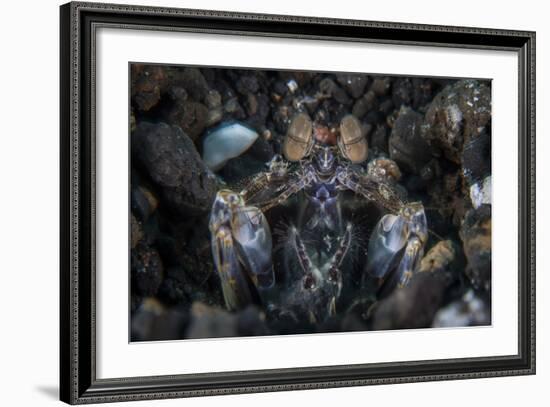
271	202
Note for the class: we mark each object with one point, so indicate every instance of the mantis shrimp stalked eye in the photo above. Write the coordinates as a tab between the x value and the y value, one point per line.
299	138
352	142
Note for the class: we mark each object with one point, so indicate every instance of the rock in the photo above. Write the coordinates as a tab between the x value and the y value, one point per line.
381	86
191	117
386	107
470	310
406	145
415	183
153	322
302	78
251	322
375	117
189	270
457	115
280	88
442	259
379	138
365	104
282	117
147	84
422	92
143	202
173	163
476	158
412	306
215	115
258	118
175	288
132	120
354	84
210	322
178	94
251	104
135	302
136	232
476	239
445	191
331	89
412	92
402	92
213	99
146	270
195	84
352	323
247	84
234	108
261	150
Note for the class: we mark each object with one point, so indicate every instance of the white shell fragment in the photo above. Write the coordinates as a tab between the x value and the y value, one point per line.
229	140
480	192
292	85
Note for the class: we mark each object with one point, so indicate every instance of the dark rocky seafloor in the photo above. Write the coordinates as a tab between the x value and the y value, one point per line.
437	131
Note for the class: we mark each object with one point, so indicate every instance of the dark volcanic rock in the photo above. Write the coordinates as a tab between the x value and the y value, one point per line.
175	289
381	86
234	108
259	116
354	84
143	201
476	237
215	115
147	270
386	107
365	104
379	138
191	117
213	99
330	88
476	158
457	115
423	89
402	92
442	259
446	195
173	163
247	84
210	322
281	118
194	82
152	322
412	92
148	82
407	147
413	306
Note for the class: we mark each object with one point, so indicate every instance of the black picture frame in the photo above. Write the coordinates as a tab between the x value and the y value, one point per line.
78	382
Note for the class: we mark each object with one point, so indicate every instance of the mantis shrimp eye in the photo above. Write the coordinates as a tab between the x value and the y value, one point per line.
352	142
299	138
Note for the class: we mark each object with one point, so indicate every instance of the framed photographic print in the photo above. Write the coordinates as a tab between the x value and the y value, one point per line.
257	203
